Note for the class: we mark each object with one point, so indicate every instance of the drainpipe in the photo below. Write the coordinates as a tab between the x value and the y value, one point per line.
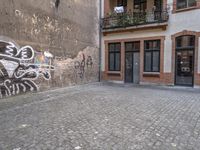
100	36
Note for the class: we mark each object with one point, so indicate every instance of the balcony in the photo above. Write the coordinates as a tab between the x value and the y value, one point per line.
134	20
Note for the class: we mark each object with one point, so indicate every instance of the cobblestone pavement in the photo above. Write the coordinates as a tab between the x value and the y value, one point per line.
102	117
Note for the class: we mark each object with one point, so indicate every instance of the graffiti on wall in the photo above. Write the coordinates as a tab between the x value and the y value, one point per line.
61	58
20	67
81	64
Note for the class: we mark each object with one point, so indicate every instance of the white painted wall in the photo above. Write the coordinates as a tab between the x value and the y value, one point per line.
188	20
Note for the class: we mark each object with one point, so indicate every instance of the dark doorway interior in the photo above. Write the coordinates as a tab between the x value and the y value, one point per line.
184	72
158	9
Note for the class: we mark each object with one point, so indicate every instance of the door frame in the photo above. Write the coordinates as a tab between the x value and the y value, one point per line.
173	65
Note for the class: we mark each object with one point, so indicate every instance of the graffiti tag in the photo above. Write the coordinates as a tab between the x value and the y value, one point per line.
80	65
19	67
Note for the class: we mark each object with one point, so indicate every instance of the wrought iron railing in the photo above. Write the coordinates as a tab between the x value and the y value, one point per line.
128	19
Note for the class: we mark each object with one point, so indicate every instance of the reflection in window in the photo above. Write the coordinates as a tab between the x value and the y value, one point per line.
114	56
152	56
186	41
140	5
132	46
181	4
122	3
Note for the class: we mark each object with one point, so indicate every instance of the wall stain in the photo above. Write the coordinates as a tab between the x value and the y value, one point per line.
57	3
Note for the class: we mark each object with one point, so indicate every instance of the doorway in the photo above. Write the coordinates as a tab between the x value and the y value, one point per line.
132	62
184	69
158	9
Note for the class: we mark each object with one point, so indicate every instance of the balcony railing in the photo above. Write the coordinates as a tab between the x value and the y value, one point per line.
129	19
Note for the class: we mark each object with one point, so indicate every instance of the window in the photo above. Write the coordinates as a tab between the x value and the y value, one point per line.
122	3
114	56
158	5
132	46
181	4
152	56
185	42
140	4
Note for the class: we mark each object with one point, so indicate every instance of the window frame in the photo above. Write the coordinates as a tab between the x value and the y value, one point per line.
187	7
114	52
152	52
123	3
139	3
185	47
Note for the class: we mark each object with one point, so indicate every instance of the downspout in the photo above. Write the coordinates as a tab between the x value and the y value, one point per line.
100	36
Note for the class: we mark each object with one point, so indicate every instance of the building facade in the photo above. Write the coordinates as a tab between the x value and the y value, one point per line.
151	42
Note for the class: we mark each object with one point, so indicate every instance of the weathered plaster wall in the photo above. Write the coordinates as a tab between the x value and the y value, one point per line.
62	36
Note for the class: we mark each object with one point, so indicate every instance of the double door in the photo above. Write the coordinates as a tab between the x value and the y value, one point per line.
132	63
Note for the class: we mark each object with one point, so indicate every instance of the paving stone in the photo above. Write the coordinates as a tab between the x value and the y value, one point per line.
101	117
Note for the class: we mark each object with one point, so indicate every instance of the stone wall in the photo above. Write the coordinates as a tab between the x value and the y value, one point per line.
46	44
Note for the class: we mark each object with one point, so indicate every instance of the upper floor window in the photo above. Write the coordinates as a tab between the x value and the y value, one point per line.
181	4
140	5
152	56
122	3
114	56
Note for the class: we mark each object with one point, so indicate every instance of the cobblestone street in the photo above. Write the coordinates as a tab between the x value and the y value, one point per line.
102	117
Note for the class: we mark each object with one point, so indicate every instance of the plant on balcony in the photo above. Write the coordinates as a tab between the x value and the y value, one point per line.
141	18
120	20
112	19
125	20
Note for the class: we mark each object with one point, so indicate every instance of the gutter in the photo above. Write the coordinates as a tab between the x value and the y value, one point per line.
100	36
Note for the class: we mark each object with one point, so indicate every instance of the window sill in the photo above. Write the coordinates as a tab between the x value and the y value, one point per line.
185	9
151	74
113	72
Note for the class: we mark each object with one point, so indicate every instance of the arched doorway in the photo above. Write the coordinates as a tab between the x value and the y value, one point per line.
184	60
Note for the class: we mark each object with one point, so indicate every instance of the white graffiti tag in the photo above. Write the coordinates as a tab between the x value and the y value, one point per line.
9	50
19	67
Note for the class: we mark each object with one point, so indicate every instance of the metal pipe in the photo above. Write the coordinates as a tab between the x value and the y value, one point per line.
100	36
